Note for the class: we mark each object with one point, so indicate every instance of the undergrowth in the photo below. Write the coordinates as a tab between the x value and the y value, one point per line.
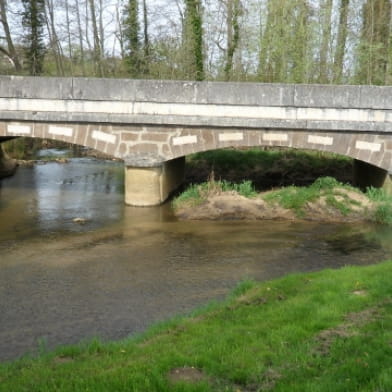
196	194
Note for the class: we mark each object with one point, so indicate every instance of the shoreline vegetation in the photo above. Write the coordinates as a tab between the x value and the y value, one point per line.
325	200
280	184
323	331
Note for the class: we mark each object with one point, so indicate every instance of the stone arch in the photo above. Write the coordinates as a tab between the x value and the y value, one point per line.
95	136
366	147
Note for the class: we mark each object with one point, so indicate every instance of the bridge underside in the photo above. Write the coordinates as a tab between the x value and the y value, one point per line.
151	153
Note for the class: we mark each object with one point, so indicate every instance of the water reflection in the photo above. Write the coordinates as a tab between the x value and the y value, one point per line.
127	267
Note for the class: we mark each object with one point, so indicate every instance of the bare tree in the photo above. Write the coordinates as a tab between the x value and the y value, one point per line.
11	52
97	41
341	41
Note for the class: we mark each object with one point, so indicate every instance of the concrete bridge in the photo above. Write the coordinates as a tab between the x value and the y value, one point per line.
152	125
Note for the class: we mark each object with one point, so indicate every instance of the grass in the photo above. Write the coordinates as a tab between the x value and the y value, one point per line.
296	198
196	194
383	212
325	331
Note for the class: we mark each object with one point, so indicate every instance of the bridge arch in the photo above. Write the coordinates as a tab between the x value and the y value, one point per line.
152	125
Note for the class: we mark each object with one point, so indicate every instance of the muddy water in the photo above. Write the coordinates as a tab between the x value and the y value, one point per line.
62	282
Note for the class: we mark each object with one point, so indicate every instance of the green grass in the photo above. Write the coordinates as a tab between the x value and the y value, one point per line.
196	194
326	331
383	212
296	198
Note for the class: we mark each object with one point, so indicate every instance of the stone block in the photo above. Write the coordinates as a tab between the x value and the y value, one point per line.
320	96
250	94
101	89
166	91
35	87
376	97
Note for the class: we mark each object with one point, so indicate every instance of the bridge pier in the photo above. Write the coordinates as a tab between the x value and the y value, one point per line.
7	165
151	186
366	175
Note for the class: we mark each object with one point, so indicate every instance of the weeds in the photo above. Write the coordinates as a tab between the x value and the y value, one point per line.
196	194
383	212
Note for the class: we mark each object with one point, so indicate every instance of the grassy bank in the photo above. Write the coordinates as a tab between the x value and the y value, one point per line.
325	199
326	331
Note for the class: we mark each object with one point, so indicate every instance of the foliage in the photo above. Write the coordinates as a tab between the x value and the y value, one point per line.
33	21
320	41
131	35
324	331
193	43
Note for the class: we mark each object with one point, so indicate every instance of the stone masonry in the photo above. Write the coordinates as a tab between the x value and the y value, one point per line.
147	123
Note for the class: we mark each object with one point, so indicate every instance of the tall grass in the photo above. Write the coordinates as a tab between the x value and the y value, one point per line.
196	194
383	212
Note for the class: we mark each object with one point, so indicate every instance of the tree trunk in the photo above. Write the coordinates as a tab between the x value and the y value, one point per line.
13	56
97	42
374	46
194	56
80	32
146	38
233	34
67	20
340	49
325	41
54	41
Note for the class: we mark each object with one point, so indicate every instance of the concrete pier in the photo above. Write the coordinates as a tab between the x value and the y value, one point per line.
366	175
151	186
7	165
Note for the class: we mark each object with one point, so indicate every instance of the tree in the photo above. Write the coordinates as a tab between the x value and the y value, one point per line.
340	48
193	40
97	41
233	34
33	21
325	41
132	38
11	52
375	42
285	42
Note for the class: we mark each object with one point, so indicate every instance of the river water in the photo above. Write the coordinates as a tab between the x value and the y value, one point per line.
124	268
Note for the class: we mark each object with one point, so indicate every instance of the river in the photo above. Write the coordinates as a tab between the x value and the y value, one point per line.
125	268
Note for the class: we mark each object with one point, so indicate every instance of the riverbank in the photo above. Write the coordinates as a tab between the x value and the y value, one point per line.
325	200
325	331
